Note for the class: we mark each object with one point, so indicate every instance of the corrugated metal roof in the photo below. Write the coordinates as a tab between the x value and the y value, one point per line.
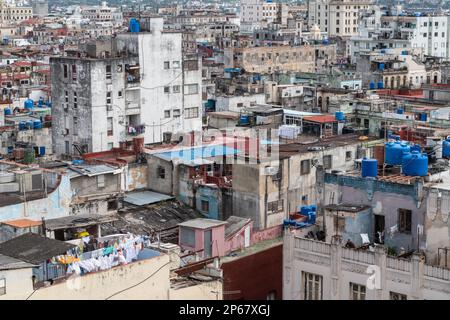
141	198
9	263
81	220
90	170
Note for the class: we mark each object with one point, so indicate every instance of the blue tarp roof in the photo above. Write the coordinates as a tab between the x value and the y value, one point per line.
191	154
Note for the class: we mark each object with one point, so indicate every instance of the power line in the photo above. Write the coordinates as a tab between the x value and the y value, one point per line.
139	282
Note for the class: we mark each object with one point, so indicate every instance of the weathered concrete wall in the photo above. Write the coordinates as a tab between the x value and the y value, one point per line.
211	290
136	176
154	181
101	285
18	283
339	267
278	58
56	205
385	198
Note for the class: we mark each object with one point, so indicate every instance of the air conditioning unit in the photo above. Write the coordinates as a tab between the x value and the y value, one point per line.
210	173
270	171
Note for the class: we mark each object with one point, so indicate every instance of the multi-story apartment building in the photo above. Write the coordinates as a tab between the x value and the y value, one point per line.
10	13
256	12
103	13
271	59
428	34
337	17
138	85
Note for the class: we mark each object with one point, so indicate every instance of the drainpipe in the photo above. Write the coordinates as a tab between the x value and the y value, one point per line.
265	205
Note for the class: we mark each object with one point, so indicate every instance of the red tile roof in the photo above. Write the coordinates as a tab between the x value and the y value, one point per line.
321	118
22	223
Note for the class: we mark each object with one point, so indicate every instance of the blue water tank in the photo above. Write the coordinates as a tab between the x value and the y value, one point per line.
380	85
423	117
313	207
22	125
29	124
135	25
8	111
415	164
394	152
399	111
383	51
41	102
339	116
37	124
28	104
372	85
381	66
446	148
305	209
42	151
244	119
77	162
416	147
369	167
325	41
10	149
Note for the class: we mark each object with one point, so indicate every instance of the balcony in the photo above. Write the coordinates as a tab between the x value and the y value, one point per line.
132	108
135	130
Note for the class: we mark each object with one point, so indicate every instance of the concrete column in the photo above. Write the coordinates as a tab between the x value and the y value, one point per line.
380	260
336	266
417	272
288	261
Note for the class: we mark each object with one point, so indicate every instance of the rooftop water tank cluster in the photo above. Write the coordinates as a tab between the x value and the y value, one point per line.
135	26
446	148
413	162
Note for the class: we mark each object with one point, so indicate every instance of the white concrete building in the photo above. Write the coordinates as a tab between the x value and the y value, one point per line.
150	91
428	35
255	13
337	17
314	270
11	13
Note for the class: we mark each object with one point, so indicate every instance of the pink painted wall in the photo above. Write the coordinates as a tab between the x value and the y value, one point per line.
237	241
267	234
218	241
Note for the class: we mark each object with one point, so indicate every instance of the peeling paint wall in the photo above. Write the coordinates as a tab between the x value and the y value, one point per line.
56	205
136	176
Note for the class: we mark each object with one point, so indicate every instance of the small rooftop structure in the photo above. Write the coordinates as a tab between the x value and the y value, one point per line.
78	221
9	263
22	223
202	223
34	248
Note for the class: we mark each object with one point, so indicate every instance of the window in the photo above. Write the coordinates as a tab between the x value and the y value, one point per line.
166	114
397	296
348	155
275	206
305	166
161	172
67	147
166	64
167	89
176	113
357	291
108	97
187	237
67	95
425	24
312	286
112	205
75	126
205	205
425	35
109	121
175	64
110	145
191	113
74	72
2	286
327	161
191	89
119	93
66	71
108	71
176	89
404	220
101	181
337	30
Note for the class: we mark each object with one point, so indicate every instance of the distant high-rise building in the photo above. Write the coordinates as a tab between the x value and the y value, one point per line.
40	8
337	17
